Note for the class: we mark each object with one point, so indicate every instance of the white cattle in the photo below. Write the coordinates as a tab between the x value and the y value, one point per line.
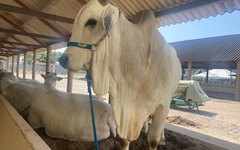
19	94
130	61
68	116
31	82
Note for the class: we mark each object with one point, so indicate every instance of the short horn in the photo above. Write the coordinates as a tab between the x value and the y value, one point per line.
103	2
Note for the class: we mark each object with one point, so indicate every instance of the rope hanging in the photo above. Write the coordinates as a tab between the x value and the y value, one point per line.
89	84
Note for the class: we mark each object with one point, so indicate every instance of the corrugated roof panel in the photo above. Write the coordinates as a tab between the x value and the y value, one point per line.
205	11
36	4
64	8
26	39
224	48
37	26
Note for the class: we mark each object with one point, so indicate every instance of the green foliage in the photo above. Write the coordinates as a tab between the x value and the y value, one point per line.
41	57
55	56
30	59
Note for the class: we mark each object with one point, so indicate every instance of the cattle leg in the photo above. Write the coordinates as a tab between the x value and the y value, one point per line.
124	144
156	131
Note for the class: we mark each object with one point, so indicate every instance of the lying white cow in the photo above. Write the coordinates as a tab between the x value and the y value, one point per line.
31	82
20	94
130	61
68	116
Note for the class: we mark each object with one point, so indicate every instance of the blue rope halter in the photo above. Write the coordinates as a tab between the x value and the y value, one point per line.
89	81
80	45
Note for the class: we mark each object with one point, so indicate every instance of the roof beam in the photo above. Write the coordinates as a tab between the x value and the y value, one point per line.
190	5
7	52
34	13
13	48
23	44
33	35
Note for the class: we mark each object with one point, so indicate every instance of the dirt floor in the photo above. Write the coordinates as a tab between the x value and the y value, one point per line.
218	117
174	141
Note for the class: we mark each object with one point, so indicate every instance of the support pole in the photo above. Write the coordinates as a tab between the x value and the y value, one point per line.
189	70
207	74
24	65
48	60
183	71
7	66
34	64
237	90
18	62
70	81
12	64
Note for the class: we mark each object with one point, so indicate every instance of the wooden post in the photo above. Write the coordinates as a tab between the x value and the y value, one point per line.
17	68
13	64
189	70
34	64
237	90
48	60
24	65
70	81
7	66
207	74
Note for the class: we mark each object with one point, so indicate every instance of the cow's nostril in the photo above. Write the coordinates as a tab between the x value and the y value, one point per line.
63	60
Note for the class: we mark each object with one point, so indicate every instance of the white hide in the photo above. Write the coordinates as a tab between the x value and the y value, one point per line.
19	94
30	82
134	64
68	116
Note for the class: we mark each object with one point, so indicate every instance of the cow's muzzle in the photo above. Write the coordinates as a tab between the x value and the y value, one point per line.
63	60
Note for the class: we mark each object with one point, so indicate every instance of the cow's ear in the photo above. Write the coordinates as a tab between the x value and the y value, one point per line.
107	24
110	17
44	76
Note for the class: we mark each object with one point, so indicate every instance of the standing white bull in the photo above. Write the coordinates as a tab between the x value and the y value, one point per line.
130	61
68	116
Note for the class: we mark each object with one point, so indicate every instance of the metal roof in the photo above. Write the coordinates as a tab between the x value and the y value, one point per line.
214	50
31	24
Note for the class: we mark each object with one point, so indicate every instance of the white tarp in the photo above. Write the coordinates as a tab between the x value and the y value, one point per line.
193	91
215	73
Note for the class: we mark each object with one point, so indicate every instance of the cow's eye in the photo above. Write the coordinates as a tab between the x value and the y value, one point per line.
91	22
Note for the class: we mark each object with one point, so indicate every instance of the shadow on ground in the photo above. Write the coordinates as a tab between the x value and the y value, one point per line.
220	95
193	110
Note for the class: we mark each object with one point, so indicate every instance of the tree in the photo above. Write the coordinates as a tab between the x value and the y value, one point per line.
41	57
29	59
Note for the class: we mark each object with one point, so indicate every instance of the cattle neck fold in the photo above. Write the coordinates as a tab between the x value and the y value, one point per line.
91	47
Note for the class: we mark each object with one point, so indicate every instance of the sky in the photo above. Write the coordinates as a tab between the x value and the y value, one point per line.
226	24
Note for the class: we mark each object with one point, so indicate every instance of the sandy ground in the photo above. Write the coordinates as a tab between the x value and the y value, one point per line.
219	117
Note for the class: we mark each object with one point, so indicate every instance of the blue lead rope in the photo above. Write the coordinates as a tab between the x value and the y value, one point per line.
89	84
